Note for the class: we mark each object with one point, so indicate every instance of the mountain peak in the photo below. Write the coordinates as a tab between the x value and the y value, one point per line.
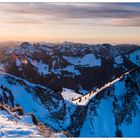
25	44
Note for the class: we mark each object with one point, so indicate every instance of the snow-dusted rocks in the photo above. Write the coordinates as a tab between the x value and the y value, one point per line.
23	126
12	127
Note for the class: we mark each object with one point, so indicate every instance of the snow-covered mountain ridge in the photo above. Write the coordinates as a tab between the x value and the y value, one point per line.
115	112
42	79
63	65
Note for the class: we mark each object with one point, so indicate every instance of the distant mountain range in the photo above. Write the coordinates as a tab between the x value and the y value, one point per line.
37	74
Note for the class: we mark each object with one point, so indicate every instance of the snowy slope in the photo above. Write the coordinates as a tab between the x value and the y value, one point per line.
102	124
88	60
134	56
115	111
69	94
31	98
12	127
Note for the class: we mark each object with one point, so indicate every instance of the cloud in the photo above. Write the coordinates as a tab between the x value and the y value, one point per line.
72	10
62	12
19	20
123	22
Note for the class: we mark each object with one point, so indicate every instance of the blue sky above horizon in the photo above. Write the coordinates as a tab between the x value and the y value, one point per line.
78	22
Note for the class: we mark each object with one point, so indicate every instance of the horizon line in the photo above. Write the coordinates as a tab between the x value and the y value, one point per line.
75	42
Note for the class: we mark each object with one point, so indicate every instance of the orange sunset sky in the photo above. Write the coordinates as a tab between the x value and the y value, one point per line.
78	22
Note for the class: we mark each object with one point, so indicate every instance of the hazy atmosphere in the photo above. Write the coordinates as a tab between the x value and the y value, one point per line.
78	22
